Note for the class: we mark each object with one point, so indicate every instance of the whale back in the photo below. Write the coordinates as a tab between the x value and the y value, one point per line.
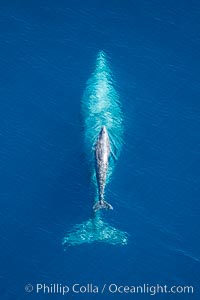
101	107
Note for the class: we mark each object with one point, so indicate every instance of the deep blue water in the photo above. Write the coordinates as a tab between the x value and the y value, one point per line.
48	51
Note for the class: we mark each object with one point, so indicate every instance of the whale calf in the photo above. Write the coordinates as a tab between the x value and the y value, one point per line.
102	153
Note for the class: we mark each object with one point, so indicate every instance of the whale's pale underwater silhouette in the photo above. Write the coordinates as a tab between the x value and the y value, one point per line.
103	135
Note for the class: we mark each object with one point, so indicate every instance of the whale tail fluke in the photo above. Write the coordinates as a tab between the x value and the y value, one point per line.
94	230
102	204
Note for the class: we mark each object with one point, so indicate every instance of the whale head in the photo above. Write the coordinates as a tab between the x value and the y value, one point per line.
103	130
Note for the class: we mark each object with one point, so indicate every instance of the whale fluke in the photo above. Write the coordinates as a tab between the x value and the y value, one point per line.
94	230
102	204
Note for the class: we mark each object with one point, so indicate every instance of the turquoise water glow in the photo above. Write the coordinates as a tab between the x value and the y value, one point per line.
100	107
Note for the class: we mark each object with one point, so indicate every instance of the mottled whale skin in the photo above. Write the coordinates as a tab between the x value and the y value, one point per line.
102	153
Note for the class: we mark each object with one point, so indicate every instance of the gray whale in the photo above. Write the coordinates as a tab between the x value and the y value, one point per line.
102	153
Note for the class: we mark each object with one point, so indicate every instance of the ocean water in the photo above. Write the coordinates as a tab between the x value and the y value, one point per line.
48	53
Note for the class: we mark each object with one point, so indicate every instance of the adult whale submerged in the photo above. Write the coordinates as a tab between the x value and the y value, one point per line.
102	153
103	138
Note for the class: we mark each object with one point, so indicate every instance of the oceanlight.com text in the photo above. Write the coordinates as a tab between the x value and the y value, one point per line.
111	288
